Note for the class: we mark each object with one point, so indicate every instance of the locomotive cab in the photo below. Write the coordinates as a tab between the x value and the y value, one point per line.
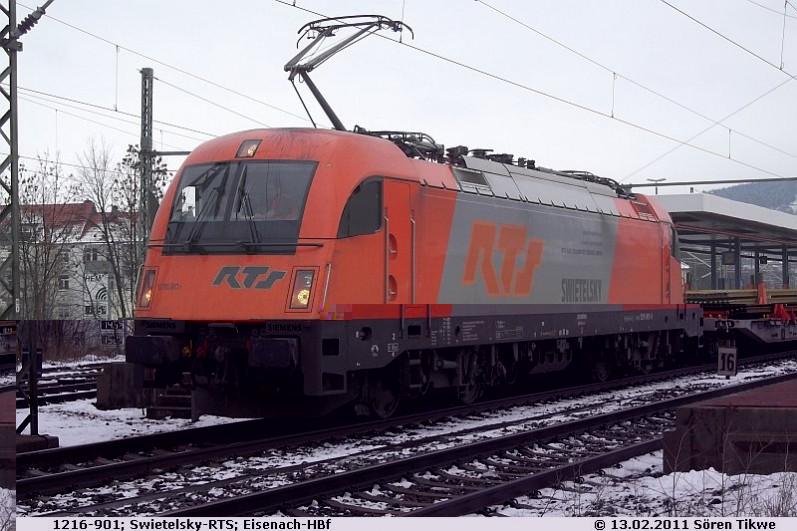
240	263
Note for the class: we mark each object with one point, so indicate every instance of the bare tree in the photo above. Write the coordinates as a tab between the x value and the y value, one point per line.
48	224
116	192
61	340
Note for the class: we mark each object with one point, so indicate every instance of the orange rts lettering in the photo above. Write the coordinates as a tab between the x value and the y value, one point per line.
512	243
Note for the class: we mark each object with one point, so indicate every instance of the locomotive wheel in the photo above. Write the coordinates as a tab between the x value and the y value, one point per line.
384	395
601	371
470	390
470	393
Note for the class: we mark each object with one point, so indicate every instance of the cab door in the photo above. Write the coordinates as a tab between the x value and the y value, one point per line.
666	254
399	243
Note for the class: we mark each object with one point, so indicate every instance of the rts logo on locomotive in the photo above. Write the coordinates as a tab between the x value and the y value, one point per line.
248	276
512	243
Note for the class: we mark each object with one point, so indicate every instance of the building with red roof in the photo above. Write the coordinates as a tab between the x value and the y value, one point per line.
77	262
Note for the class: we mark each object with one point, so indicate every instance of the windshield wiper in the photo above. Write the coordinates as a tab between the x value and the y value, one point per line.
201	218
245	205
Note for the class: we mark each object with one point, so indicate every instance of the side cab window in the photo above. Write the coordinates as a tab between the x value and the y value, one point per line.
363	211
675	244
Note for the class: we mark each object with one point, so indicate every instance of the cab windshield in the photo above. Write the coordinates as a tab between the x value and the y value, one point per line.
242	206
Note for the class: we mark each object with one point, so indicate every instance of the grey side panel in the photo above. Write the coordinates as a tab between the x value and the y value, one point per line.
574	267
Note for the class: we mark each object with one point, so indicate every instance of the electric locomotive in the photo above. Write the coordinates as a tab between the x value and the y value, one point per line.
292	271
333	267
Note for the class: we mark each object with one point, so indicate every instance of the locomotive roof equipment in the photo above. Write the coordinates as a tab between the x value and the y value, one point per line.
304	62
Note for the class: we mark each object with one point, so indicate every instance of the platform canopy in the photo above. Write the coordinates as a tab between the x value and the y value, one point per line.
715	227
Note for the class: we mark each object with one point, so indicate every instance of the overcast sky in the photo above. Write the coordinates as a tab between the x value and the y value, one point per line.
635	55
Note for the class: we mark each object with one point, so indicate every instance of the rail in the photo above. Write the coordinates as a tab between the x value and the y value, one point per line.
89	465
475	498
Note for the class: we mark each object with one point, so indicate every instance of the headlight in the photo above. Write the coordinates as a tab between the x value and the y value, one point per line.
302	284
147	285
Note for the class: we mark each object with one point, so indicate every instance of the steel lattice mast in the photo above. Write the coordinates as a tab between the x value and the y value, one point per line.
10	224
9	168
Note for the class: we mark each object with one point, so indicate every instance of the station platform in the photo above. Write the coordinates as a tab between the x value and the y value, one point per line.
748	432
726	244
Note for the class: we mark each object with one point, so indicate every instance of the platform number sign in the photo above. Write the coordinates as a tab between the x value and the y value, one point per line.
111	332
726	361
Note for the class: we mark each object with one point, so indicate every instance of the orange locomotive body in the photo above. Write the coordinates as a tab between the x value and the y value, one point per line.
294	270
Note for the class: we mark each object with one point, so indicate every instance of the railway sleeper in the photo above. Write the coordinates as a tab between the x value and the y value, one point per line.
415	492
454	488
403	502
458	479
357	509
507	468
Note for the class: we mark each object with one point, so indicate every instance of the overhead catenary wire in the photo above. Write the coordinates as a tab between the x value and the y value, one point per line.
211	102
73	165
770	9
699	133
442	58
24	98
553	97
725	37
638	84
130	133
108	116
591	110
97	106
172	67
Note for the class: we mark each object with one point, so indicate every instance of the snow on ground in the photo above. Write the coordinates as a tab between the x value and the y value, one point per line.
80	422
66	368
90	359
7	508
638	488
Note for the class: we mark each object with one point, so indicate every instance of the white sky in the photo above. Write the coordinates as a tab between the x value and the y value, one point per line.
243	45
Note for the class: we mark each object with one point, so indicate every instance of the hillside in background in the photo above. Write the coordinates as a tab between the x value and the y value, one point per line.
775	195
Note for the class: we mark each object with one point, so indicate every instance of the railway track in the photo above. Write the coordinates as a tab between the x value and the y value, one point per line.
472	477
61	392
461	480
58	385
261	431
82	370
64	475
